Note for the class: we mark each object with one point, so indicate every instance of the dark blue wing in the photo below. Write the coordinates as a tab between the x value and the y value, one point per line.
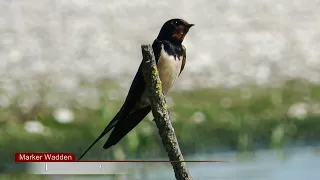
126	120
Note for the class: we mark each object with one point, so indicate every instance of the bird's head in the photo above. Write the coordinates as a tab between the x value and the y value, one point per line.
174	30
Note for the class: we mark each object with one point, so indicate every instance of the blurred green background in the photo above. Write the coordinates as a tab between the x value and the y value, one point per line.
243	118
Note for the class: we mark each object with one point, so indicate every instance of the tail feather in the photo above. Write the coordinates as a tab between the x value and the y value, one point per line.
125	126
105	131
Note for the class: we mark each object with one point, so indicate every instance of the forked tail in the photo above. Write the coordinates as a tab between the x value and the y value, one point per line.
105	131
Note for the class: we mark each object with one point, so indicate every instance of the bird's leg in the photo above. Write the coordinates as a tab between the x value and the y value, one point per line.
169	113
168	109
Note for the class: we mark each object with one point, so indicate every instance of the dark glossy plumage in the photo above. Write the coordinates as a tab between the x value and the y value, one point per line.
136	105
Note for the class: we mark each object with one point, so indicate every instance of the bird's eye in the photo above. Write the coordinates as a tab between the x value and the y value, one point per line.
176	22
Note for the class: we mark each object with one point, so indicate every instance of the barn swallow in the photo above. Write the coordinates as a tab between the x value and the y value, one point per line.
170	57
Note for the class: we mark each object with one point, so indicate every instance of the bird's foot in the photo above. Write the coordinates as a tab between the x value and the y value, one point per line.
169	112
165	100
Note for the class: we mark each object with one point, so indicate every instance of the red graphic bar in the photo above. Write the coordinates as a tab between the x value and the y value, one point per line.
153	161
68	157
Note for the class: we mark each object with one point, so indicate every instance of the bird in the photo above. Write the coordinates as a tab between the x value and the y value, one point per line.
170	56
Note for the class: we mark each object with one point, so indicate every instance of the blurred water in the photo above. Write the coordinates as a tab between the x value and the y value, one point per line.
295	164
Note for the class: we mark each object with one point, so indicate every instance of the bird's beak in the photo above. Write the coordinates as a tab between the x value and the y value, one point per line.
190	25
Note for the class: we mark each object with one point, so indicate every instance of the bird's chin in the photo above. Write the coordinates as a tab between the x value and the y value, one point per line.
179	36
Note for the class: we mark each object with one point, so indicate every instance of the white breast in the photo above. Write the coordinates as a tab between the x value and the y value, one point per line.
169	69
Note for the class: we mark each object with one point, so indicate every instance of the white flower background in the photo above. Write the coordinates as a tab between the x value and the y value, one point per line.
60	42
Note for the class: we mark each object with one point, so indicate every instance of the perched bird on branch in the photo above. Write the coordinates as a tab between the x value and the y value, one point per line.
170	56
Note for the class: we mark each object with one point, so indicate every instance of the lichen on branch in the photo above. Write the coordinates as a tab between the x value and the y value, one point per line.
161	115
